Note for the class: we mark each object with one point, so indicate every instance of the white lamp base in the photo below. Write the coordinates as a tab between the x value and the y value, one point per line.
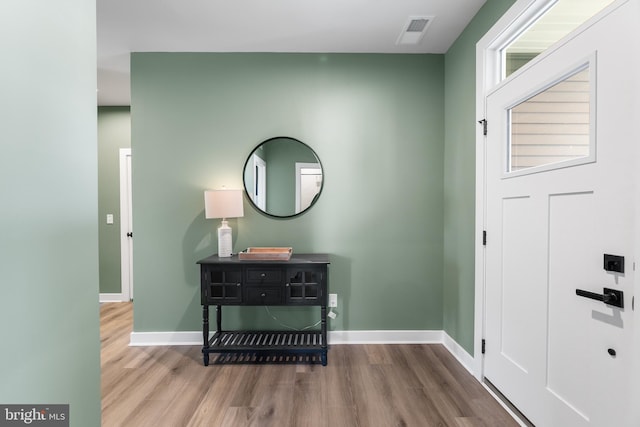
225	240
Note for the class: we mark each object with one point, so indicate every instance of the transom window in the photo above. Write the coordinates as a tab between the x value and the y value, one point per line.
554	22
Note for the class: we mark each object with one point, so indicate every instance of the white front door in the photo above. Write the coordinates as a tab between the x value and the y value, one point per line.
560	194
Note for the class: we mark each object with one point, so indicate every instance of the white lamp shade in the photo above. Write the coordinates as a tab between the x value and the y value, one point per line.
223	204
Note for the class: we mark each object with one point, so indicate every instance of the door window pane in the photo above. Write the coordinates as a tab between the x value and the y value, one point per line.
552	126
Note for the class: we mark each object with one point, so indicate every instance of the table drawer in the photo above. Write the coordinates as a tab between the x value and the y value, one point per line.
265	275
263	295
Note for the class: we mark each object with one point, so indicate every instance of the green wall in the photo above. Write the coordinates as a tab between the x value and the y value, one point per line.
195	119
459	181
48	187
114	133
397	212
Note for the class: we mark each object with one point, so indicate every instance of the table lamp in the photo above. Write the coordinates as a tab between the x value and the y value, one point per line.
223	204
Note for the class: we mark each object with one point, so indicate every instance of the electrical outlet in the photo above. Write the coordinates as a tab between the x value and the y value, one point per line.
333	300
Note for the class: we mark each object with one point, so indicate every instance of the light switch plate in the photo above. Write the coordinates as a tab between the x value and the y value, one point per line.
109	218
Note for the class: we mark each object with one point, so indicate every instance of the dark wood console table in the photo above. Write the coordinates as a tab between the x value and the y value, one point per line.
300	281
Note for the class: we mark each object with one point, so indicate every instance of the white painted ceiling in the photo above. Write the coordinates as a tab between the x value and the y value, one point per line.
367	26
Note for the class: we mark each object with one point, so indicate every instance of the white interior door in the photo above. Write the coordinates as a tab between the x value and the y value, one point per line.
126	226
553	210
308	184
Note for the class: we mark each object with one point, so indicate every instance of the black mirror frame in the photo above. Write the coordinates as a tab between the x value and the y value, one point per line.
246	192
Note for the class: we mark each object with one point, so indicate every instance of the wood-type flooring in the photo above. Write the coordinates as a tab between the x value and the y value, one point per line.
419	385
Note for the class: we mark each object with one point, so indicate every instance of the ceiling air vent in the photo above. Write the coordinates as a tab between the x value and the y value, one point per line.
414	29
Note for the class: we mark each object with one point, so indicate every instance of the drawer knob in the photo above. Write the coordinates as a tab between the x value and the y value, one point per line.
263	275
286	284
237	284
263	295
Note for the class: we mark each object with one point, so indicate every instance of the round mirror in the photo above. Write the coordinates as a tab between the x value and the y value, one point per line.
283	177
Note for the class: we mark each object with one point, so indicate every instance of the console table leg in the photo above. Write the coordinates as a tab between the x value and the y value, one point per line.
205	334
219	318
323	331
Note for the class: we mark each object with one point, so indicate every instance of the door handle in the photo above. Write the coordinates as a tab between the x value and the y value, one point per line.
608	296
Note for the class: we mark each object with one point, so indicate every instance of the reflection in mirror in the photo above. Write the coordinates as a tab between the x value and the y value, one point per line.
283	177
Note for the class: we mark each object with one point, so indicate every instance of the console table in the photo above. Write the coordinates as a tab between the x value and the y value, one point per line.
299	281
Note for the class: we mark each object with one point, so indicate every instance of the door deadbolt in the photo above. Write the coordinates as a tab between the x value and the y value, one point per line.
614	263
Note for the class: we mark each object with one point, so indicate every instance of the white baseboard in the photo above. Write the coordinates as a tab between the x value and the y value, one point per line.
385	337
165	338
334	338
112	298
458	352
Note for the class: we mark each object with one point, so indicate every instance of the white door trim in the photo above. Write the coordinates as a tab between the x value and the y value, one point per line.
488	73
259	195
126	255
487	77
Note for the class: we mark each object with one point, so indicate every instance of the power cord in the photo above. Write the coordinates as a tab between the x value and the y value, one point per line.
290	327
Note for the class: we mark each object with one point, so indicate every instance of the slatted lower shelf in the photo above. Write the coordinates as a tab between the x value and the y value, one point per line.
267	347
240	358
267	340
